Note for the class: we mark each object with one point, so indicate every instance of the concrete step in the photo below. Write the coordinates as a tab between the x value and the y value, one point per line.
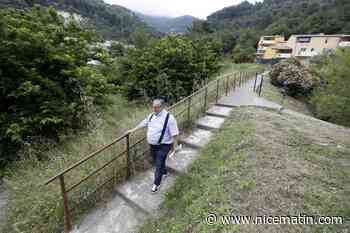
210	122
133	201
182	160
219	111
116	215
138	190
197	139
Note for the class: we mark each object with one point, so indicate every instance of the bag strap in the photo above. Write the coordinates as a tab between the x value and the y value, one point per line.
149	120
164	128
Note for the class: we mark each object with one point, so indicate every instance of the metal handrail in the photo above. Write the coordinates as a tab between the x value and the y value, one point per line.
187	100
85	159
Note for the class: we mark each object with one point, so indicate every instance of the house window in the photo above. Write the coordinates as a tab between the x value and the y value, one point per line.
268	38
326	41
312	49
302	50
304	39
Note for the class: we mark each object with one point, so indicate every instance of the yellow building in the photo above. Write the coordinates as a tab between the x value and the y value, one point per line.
307	46
271	49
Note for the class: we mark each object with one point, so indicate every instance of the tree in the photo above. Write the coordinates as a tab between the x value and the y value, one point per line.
245	49
242	54
173	67
331	101
141	38
46	85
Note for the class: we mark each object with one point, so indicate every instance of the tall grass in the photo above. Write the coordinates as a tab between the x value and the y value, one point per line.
34	207
228	66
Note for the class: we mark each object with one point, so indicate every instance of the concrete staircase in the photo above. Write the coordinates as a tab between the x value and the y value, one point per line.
133	202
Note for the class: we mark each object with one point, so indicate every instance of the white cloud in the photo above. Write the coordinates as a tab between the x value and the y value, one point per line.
197	8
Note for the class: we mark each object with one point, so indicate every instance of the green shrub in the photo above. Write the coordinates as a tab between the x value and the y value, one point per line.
331	101
172	67
242	54
46	85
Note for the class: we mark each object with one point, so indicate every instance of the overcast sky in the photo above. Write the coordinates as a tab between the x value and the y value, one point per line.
198	8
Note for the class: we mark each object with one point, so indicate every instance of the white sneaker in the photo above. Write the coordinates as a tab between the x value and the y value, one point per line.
154	188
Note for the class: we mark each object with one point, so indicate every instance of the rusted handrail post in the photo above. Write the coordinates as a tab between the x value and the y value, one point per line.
205	98
67	220
240	79
189	110
256	77
234	82
226	88
128	160
261	84
217	91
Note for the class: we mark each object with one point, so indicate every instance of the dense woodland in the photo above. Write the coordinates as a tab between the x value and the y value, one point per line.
239	27
111	21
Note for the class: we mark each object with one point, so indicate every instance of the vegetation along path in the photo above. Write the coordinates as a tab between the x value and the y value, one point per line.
132	201
263	162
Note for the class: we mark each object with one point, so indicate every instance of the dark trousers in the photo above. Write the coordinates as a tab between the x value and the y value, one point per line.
159	154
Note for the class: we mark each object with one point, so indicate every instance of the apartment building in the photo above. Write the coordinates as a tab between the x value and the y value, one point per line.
306	46
271	49
302	47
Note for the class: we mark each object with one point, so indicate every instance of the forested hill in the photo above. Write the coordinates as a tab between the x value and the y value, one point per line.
286	16
168	24
112	21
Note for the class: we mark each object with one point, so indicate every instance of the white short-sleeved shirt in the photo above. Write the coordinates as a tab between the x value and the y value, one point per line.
155	125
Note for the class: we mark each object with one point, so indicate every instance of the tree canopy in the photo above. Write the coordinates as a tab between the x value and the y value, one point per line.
172	67
46	85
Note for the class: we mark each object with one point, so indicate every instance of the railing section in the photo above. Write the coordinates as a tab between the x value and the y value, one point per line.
118	160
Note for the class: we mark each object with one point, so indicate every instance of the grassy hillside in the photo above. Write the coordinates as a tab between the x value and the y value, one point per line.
112	21
24	179
275	94
263	163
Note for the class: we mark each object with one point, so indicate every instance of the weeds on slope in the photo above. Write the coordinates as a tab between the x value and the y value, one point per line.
263	164
34	207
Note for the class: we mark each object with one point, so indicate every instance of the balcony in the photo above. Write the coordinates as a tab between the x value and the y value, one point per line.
344	44
267	42
284	55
